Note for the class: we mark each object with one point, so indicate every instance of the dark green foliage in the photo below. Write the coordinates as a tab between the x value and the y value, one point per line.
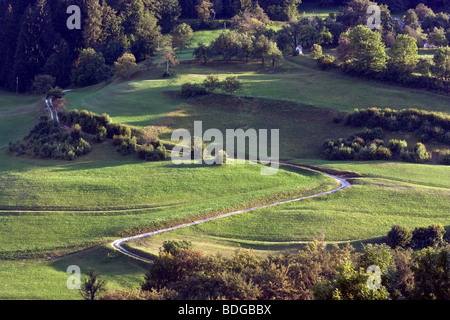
102	133
432	274
418	155
431	236
326	62
42	83
152	152
174	247
93	286
445	158
243	276
399	236
230	85
127	146
48	141
190	90
429	126
90	68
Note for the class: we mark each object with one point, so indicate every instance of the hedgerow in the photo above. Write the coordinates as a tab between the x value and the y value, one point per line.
368	145
427	126
49	140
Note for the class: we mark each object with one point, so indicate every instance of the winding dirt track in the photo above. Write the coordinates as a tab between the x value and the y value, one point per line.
117	244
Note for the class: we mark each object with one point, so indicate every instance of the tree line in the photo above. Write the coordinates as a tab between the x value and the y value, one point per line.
411	266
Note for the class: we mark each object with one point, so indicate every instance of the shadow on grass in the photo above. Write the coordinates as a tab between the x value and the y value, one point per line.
103	259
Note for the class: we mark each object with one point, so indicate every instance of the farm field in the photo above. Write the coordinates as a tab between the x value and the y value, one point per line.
57	213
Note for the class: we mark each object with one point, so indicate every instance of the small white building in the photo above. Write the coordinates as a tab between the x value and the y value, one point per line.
299	49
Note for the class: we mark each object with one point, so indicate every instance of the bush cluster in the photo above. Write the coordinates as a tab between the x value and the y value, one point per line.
48	141
314	272
368	145
124	137
419	238
416	81
211	83
428	126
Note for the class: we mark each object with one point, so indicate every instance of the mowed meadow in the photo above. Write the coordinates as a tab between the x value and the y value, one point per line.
57	213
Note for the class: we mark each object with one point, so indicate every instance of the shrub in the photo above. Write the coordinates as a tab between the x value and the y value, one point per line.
144	151
189	90
420	153
42	83
316	51
371	134
397	146
399	236
444	158
174	247
101	133
383	153
431	236
230	85
211	83
127	146
75	133
326	62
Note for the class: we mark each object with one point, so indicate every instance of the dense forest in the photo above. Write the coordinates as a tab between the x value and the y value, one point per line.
35	39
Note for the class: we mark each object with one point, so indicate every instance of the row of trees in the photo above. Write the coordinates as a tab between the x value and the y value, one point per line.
427	126
233	45
226	9
419	238
35	38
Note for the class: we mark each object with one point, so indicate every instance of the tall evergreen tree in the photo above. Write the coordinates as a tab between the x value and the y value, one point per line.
35	43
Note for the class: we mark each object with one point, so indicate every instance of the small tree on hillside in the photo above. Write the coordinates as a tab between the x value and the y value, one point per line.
404	56
262	47
369	50
441	61
203	52
211	83
125	66
168	58
231	84
274	56
92	287
182	36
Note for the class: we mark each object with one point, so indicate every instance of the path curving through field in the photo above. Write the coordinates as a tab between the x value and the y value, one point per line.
118	244
49	103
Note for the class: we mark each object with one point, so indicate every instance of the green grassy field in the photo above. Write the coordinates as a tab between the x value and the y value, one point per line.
386	194
49	209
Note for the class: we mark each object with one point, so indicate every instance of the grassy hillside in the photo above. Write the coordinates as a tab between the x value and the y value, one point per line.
385	194
51	208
